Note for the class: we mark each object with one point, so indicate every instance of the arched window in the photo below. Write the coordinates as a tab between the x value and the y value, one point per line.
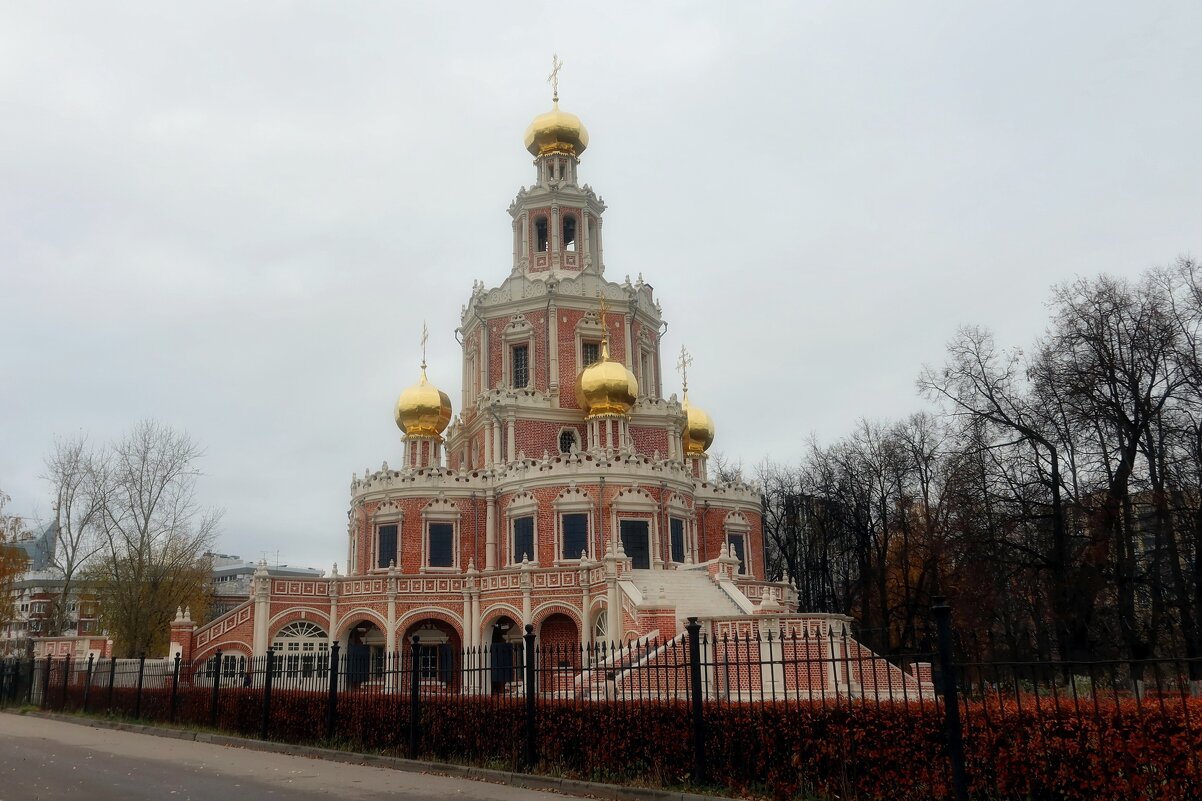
568	438
302	648
569	233
540	234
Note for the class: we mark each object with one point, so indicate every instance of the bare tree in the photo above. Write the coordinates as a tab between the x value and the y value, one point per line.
71	474
154	536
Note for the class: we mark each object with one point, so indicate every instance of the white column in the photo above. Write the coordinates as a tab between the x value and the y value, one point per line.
262	609
613	611
511	444
553	350
630	355
584	251
586	611
490	531
496	442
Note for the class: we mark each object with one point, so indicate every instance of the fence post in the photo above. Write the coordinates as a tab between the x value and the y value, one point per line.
951	698
531	734
332	695
268	673
415	707
174	689
694	630
216	689
87	684
62	705
141	675
112	681
29	687
45	700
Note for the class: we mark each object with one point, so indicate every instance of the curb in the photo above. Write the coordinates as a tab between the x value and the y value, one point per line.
528	781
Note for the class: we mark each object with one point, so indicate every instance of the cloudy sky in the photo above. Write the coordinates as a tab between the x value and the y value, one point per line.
233	217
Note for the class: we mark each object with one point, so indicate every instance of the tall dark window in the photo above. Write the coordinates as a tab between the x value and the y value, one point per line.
386	550
567	439
521	365
442	541
575	535
736	540
590	352
676	533
540	234
523	539
569	233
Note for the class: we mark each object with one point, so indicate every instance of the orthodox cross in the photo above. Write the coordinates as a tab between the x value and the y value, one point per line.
682	367
425	338
604	325
553	78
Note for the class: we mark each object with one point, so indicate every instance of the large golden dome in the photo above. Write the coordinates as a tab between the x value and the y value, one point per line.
698	429
423	410
556	132
606	387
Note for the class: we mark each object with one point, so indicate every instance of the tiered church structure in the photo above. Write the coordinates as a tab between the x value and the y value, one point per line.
569	493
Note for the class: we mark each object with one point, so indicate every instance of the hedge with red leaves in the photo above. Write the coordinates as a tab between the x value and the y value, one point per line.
1122	751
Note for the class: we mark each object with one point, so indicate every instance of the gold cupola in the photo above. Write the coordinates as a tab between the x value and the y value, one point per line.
698	429
423	410
606	388
699	426
556	132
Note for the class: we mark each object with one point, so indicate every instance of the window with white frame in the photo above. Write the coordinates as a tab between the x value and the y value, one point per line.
568	438
523	539
573	524
676	539
386	544
520	366
574	541
440	542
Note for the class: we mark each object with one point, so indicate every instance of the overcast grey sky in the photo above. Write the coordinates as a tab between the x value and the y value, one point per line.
234	217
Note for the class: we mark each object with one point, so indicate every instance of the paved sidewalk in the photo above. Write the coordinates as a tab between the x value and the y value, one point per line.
46	756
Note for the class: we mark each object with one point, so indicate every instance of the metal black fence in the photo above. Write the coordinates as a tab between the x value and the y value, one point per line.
522	701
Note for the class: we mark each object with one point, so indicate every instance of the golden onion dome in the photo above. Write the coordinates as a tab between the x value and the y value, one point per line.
423	410
606	387
556	132
698	430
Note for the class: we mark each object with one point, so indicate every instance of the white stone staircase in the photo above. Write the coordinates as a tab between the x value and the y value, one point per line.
693	592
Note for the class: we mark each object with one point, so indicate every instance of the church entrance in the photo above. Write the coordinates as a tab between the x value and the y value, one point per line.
505	655
438	653
636	540
365	654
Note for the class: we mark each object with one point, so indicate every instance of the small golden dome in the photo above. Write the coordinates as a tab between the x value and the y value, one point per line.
556	132
606	387
698	429
423	410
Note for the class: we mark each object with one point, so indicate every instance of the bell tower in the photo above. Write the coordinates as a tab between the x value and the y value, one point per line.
556	221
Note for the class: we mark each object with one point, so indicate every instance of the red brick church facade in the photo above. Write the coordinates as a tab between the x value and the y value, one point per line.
569	493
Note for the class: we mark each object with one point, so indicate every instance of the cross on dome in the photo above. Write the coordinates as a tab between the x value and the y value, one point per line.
682	367
553	78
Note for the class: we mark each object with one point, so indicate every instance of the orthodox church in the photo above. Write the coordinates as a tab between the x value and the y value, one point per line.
568	493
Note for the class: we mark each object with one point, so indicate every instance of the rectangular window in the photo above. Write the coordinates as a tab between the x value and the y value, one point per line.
647	379
523	539
575	535
590	352
442	540
736	540
521	366
386	537
676	531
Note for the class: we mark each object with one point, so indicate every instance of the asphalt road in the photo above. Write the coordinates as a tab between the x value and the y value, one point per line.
45	760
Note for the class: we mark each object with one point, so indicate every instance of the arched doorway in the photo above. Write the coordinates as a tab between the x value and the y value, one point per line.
365	654
439	655
505	646
559	653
